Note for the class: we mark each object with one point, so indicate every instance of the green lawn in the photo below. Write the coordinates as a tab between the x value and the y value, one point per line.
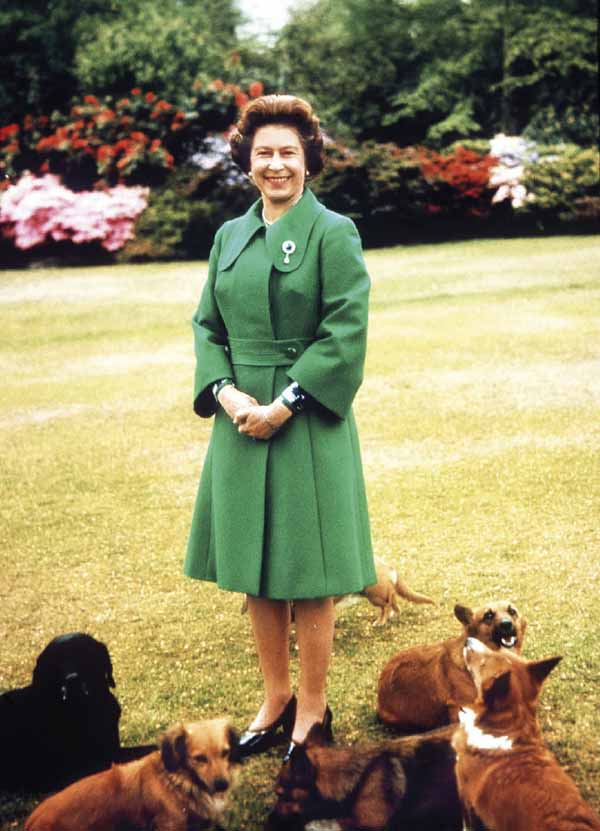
480	430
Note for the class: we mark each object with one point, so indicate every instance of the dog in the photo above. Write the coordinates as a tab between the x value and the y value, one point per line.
424	687
508	780
65	724
182	785
384	593
406	784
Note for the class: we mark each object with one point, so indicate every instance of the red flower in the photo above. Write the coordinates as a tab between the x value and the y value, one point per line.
150	97
91	99
256	89
105	151
136	91
241	99
123	102
8	131
218	84
139	137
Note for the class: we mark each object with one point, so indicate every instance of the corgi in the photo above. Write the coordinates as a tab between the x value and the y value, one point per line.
507	778
424	687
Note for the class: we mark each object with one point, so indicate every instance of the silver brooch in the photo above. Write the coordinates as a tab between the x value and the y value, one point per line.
288	247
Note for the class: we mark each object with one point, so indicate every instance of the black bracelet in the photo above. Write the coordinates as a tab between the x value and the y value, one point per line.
218	386
294	398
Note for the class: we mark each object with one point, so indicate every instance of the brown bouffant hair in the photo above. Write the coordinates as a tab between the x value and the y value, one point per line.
278	109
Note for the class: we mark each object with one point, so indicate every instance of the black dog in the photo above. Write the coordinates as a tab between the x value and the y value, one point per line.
65	725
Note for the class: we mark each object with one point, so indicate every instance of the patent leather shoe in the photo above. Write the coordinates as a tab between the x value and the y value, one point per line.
258	741
325	729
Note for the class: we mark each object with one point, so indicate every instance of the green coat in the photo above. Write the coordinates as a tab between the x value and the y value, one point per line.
285	518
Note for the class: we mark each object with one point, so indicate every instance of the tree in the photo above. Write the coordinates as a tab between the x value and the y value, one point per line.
437	70
38	39
159	45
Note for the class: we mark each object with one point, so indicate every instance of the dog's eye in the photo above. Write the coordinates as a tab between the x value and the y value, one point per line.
201	757
225	753
489	615
512	611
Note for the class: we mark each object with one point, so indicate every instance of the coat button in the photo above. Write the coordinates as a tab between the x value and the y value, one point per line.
291	350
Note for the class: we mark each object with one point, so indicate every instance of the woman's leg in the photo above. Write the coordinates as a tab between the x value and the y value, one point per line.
315	620
271	628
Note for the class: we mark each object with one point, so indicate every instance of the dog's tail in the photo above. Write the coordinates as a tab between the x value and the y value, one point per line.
407	593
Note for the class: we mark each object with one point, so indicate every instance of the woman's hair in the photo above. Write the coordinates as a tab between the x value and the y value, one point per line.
278	109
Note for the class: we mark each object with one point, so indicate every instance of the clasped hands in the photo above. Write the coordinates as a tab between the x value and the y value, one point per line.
258	421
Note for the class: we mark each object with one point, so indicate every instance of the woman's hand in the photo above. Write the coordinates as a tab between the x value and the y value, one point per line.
262	421
233	400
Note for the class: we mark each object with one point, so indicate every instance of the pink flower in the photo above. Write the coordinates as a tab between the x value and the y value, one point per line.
36	209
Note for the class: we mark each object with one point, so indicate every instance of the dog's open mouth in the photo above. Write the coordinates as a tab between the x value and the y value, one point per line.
508	641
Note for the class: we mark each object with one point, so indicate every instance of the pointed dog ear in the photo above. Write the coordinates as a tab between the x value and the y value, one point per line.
496	689
464	614
173	750
540	670
301	766
315	736
234	745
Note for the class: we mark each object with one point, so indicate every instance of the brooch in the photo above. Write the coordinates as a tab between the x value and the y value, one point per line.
288	247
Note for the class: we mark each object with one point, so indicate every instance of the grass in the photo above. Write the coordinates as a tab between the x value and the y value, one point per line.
481	446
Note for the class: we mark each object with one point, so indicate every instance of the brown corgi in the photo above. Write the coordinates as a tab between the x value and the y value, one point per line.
507	778
425	686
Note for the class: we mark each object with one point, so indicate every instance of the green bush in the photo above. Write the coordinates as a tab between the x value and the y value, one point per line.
563	185
184	214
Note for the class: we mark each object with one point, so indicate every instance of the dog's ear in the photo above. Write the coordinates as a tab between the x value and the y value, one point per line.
315	736
540	670
234	745
496	689
301	766
173	749
379	792
464	614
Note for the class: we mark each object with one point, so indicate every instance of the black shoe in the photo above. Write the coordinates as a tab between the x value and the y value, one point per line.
257	741
325	730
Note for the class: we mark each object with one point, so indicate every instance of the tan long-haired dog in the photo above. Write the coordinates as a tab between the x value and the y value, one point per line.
182	785
507	778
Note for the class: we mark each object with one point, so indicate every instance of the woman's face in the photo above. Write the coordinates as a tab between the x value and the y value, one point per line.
277	165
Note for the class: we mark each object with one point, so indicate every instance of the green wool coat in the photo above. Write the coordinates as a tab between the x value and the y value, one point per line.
284	518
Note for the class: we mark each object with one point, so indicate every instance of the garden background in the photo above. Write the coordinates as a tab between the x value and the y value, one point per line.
462	137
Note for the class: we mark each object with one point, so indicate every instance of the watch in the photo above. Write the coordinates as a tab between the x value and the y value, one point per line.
218	386
294	398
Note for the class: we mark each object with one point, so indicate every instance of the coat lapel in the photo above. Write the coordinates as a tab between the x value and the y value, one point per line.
287	239
243	231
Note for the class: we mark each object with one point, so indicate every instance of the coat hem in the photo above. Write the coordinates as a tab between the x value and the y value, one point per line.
306	596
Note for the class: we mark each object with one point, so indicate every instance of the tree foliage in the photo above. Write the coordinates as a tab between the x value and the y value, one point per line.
437	70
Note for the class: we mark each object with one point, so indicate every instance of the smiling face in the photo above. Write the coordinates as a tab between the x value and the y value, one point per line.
278	167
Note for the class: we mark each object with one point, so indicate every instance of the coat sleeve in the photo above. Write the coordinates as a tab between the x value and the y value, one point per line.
331	369
210	341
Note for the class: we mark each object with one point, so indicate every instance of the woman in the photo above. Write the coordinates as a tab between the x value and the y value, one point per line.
280	337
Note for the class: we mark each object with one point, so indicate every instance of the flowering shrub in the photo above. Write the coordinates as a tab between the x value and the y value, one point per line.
459	182
135	140
37	209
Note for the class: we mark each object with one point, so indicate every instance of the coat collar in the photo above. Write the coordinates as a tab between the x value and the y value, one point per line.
287	239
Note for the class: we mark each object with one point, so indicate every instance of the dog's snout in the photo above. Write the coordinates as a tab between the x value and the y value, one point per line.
506	626
220	784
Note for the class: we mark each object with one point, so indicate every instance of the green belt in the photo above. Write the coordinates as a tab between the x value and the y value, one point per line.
263	352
